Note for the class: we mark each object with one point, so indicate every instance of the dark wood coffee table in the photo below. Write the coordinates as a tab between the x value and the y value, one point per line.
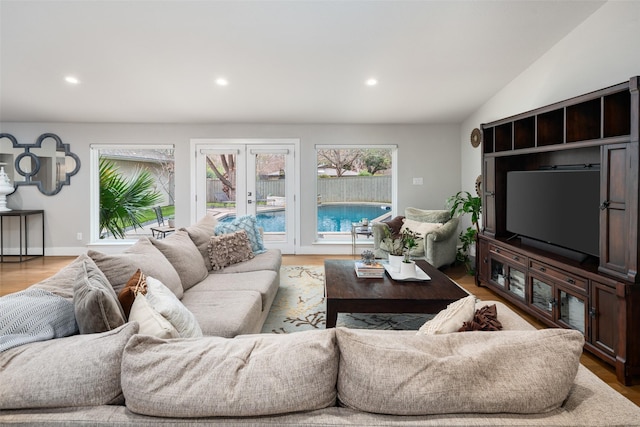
346	293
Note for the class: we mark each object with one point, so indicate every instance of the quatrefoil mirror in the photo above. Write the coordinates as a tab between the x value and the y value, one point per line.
48	163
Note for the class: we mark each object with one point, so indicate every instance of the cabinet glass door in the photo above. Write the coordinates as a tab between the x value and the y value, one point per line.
572	311
516	282
498	273
542	296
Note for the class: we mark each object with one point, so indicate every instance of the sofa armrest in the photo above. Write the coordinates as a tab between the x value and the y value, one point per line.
445	232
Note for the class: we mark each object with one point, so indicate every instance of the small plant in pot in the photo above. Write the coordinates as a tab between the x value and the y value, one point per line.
464	203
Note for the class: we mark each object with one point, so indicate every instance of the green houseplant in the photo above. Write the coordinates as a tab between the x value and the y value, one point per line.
460	204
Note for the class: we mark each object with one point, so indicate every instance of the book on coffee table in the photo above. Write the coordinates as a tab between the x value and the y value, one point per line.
373	270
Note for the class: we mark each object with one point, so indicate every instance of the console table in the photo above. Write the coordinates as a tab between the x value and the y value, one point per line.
24	231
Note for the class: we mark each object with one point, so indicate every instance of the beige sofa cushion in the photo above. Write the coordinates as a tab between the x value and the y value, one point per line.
246	376
200	233
185	257
142	255
61	283
81	370
524	372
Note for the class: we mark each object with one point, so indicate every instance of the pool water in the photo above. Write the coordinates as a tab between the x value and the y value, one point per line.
331	218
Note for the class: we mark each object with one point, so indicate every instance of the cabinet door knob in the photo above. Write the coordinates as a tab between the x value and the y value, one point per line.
604	205
571	281
516	258
592	312
543	269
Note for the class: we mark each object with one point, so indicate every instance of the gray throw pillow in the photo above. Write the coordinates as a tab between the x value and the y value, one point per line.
200	233
185	257
142	255
81	370
95	302
34	315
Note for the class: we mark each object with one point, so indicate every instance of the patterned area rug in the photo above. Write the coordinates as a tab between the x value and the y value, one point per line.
300	306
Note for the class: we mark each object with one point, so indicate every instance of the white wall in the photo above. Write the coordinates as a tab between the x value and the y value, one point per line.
600	52
428	151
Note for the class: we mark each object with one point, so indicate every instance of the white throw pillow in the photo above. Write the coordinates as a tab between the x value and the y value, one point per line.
422	228
451	318
169	306
151	322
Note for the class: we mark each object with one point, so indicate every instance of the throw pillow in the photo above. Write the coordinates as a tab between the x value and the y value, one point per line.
200	233
485	319
80	370
185	257
96	304
245	376
142	255
149	320
169	306
228	249
451	318
247	223
422	228
395	225
34	315
137	284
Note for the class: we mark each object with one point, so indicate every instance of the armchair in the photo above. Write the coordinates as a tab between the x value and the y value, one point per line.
438	247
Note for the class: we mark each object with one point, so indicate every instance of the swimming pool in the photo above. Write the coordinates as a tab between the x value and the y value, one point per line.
331	218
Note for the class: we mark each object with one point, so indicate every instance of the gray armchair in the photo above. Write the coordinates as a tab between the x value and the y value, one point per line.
438	247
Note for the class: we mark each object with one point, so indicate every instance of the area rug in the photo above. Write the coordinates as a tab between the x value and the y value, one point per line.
300	306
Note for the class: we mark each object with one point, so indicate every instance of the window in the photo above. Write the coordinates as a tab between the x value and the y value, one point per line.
128	181
354	183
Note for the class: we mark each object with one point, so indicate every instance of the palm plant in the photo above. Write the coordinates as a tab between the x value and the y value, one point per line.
123	200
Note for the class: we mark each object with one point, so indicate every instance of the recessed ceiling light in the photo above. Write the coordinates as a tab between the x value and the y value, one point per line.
221	81
72	80
371	82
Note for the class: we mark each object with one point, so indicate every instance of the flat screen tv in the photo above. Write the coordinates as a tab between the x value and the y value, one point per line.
557	207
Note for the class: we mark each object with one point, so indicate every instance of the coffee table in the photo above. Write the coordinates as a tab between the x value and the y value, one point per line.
346	293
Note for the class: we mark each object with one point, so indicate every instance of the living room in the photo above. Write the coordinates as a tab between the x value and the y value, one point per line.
515	57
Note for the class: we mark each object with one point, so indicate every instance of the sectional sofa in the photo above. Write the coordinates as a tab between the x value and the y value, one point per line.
517	376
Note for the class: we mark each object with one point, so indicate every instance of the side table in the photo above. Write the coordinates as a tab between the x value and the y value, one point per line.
24	231
359	229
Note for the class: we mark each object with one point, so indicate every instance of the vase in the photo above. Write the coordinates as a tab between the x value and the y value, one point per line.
395	261
408	269
5	189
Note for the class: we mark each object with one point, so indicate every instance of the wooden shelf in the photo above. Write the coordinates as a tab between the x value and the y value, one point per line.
591	117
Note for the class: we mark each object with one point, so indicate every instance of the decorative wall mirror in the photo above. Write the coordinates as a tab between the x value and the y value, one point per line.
48	163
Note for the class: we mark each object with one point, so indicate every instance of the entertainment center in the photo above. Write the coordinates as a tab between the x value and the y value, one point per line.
560	218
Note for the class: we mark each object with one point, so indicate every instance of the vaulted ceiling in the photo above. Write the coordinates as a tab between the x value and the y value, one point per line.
284	61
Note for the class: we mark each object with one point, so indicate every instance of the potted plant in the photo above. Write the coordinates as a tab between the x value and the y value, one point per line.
409	241
464	203
395	246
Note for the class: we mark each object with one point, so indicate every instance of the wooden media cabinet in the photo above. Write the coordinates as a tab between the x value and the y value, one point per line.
597	295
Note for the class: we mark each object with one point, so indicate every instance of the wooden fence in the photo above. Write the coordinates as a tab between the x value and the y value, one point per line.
373	189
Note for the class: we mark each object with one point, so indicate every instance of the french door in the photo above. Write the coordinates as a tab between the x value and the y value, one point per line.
249	177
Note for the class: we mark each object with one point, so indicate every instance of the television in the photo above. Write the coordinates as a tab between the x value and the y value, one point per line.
556	207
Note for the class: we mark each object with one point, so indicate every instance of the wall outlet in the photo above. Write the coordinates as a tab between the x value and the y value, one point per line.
417	181
79	236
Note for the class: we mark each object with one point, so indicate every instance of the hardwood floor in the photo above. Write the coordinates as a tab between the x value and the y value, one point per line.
17	276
